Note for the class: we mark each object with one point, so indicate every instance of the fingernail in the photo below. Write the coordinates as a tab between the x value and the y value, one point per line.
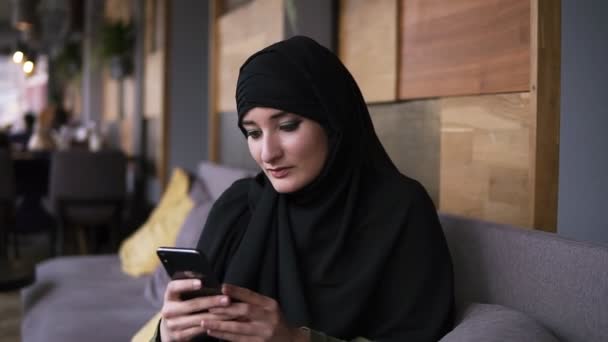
196	284
224	300
202	323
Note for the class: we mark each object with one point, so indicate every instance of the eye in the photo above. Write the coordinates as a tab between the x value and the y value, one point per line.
290	126
254	134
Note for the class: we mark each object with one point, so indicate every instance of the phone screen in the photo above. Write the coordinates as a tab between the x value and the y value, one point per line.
189	263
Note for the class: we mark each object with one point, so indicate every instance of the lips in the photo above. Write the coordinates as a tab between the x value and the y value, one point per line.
279	172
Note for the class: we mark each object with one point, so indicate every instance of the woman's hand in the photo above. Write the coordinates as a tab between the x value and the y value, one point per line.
181	319
254	318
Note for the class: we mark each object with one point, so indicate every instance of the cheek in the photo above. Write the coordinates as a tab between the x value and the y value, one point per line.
308	151
254	150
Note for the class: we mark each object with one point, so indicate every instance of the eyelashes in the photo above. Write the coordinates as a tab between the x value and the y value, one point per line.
288	126
254	133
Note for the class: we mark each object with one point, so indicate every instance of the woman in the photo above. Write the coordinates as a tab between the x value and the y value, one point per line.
329	240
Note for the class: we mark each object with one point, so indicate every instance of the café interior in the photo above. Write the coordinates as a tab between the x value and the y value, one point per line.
105	104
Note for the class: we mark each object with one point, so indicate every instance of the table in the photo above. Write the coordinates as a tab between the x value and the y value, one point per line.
15	274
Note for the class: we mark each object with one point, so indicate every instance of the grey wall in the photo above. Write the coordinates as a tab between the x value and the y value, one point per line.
92	87
313	18
233	145
188	82
583	156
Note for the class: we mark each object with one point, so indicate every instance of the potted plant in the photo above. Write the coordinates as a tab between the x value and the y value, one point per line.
68	62
117	47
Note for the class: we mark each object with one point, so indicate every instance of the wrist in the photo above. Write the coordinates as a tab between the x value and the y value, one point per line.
301	334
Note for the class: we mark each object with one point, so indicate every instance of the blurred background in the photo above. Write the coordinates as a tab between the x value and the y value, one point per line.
479	100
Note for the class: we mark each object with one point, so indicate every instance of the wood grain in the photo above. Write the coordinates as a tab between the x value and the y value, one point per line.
464	47
240	33
163	160
213	82
368	46
545	81
485	157
471	153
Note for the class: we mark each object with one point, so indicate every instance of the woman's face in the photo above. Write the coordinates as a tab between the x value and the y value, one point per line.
289	148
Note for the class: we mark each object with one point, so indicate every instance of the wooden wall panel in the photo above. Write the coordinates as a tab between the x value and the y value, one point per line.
464	47
471	153
545	80
367	45
155	92
485	157
118	98
240	33
410	133
154	80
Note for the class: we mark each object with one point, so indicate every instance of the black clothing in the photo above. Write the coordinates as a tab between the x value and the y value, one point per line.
357	252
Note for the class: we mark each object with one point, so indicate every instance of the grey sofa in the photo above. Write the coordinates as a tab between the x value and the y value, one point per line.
511	285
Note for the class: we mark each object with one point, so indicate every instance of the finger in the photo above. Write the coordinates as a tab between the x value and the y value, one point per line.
187	334
185	322
232	327
241	310
179	308
247	296
177	287
225	336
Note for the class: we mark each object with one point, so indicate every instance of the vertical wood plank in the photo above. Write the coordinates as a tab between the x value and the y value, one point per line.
236	35
165	138
242	32
368	46
214	127
545	77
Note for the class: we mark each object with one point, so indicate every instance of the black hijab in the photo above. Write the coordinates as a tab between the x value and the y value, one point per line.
357	252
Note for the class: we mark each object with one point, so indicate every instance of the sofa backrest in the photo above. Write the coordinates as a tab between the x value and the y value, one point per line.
218	178
560	282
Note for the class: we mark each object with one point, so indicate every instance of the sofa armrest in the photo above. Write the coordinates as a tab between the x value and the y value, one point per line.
494	323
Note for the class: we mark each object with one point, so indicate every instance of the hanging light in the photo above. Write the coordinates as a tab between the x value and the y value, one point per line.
18	57
28	67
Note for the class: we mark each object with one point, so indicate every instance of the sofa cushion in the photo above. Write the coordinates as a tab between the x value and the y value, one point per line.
83	298
211	181
188	238
559	282
138	252
489	323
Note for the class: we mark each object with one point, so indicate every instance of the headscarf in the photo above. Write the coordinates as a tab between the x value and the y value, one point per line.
357	252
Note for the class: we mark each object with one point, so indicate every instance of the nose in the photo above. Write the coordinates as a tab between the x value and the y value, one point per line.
271	149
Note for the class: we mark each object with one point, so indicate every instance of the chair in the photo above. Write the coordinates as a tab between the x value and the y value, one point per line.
87	190
7	199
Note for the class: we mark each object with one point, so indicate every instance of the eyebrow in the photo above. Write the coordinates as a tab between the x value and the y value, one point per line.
275	116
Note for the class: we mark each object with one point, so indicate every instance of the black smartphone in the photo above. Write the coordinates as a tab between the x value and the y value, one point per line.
189	263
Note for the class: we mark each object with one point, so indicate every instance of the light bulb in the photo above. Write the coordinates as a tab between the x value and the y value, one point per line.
18	57
28	67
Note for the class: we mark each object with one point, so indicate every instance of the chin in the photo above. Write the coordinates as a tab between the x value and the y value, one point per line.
284	186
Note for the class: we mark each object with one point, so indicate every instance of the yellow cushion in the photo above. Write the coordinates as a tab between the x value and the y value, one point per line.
138	252
148	331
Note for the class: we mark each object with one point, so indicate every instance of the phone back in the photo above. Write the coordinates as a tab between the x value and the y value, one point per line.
189	263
